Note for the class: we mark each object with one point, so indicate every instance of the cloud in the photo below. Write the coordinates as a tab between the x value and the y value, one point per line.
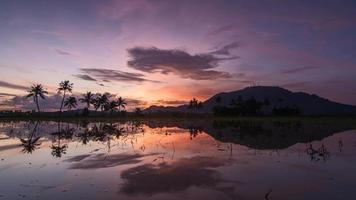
51	103
299	69
221	30
63	52
85	77
171	102
2	94
108	75
12	86
225	50
178	62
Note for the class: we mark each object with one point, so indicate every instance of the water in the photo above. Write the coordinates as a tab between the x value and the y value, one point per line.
177	160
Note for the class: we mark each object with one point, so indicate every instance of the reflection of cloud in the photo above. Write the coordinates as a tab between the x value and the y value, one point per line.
178	62
98	161
12	86
149	179
108	75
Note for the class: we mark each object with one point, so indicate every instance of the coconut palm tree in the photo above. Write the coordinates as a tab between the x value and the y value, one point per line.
112	105
37	90
70	102
102	101
64	86
87	99
121	103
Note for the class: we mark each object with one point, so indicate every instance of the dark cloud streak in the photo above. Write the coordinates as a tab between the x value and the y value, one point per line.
12	86
177	62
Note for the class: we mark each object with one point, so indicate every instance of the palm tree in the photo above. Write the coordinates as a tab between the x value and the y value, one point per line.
70	102
121	103
112	105
37	90
87	99
195	104
64	86
101	102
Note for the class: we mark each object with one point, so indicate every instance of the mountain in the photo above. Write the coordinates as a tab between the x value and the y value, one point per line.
309	104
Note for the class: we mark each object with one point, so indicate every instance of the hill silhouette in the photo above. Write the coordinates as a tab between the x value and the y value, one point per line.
308	104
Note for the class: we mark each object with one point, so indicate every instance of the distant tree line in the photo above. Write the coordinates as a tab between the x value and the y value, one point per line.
251	107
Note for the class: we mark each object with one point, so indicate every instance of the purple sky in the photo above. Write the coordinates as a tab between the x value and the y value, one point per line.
166	52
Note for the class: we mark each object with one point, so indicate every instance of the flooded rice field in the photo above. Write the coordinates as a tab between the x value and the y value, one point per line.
177	160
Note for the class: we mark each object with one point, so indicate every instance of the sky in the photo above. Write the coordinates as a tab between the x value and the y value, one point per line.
165	52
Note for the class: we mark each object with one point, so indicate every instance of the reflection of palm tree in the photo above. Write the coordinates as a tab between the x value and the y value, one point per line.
58	149
31	143
64	86
70	102
36	91
85	136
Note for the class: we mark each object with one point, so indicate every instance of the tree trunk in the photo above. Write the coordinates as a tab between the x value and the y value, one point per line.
38	107
64	95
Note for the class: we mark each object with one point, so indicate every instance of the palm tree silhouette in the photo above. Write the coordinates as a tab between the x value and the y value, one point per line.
37	90
70	102
87	99
101	101
112	105
121	103
64	86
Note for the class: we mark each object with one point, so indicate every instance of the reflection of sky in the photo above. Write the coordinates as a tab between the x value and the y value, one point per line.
307	46
166	163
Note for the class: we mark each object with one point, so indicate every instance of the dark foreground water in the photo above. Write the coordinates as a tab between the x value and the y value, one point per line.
177	160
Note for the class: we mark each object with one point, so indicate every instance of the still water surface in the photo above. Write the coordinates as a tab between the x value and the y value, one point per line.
177	160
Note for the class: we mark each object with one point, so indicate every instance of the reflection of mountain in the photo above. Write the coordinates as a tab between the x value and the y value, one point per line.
263	134
276	96
257	134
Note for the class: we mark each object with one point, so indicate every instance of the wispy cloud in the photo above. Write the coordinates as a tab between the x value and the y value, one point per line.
5	84
85	77
299	69
178	62
225	50
108	75
2	94
63	52
221	30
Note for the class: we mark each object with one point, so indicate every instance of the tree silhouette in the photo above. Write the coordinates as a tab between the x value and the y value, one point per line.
111	106
87	99
121	102
37	90
101	101
195	104
70	102
64	86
